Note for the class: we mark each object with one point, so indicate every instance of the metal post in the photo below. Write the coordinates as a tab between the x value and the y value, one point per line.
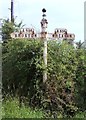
85	24
1	30
43	33
12	11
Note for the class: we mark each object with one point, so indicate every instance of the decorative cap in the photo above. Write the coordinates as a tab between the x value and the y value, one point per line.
43	10
44	15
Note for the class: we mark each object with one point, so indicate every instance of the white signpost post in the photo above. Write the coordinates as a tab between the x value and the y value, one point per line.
43	34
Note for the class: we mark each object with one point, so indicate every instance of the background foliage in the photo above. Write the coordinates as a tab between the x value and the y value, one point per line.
64	91
9	27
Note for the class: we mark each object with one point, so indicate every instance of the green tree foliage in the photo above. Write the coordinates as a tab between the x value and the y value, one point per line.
79	44
23	59
19	26
8	27
81	79
23	75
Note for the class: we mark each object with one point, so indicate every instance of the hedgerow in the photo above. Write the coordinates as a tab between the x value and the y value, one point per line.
23	76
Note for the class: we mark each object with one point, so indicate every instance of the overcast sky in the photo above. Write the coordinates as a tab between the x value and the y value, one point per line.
67	14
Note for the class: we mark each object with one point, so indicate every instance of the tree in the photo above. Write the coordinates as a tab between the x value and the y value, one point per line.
8	27
79	44
19	26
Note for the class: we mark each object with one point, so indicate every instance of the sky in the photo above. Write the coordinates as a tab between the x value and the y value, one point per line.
67	14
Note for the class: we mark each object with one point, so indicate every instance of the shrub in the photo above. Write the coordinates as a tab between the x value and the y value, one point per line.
23	72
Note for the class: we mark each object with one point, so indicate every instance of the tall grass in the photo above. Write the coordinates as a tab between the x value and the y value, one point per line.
11	109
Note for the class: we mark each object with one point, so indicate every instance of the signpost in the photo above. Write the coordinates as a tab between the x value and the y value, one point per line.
43	34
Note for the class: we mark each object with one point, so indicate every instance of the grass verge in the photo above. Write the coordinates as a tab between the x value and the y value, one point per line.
11	109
